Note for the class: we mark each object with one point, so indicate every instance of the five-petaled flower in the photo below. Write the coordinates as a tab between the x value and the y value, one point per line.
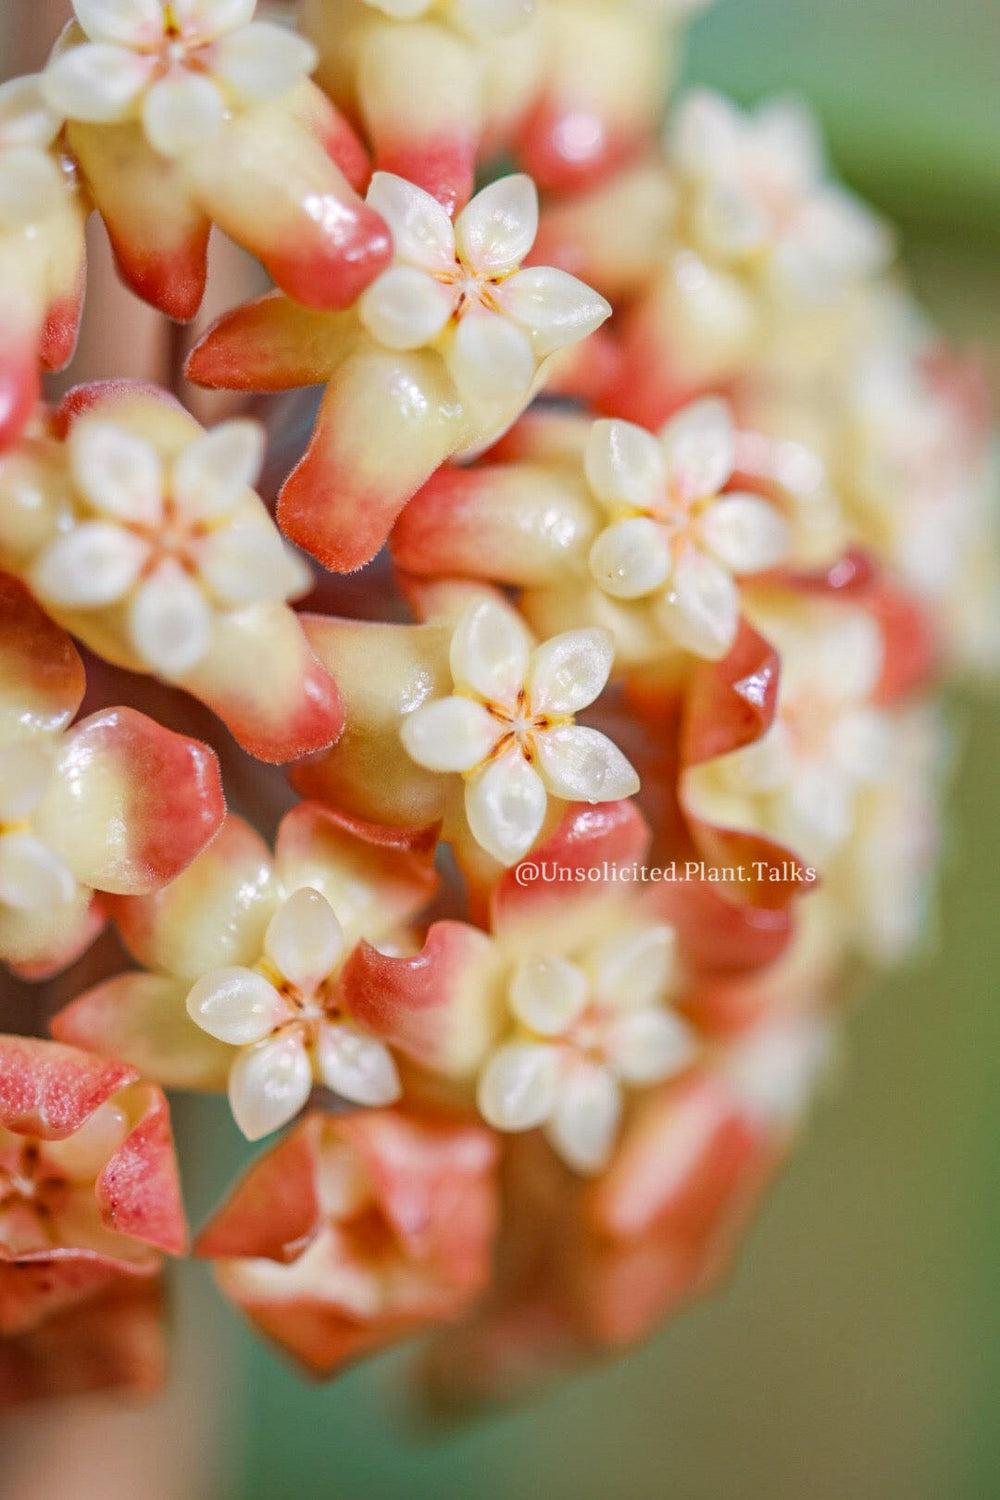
31	184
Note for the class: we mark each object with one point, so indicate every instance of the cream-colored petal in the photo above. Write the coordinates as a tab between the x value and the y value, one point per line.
211	475
182	112
649	1045
761	766
245	565
82	1155
402	10
505	806
130	23
701	607
25	118
490	360
699	446
262	60
634	970
861	743
450	734
583	765
819	808
357	1067
170	621
405	307
97	82
569	671
26	768
304	940
745	533
517	1087
490	650
631	559
236	1005
203	19
555	308
489	18
31	186
422	233
116	472
585	1120
93	565
268	1085
32	878
497	228
729	222
624	465
705	133
548	994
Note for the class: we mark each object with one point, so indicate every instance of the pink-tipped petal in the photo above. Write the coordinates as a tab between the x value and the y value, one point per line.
138	1192
273	344
41	675
50	1090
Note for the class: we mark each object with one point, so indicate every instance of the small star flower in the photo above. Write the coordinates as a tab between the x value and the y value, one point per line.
509	728
179	67
673	533
479	18
31	184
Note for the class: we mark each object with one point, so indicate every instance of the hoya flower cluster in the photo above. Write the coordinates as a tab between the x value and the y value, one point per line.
521	947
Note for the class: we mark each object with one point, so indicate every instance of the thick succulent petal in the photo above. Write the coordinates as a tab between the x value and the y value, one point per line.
422	232
170	621
505	805
650	1045
584	1121
583	765
138	1192
131	23
116	471
236	1005
358	1067
569	671
519	1086
450	734
182	112
548	994
25	118
50	1090
745	533
492	363
41	675
405	308
39	944
555	308
700	608
213	473
33	878
304	939
273	344
625	465
94	564
261	60
699	445
269	1084
490	653
495	231
635	970
631	559
274	1210
97	82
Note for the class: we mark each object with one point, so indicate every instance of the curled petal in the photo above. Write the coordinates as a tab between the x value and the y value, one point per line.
548	994
583	765
505	805
699	445
701	607
261	60
554	307
304	939
745	533
49	1090
422	233
93	565
357	1067
268	1085
405	308
138	1192
585	1120
237	1006
625	465
518	1086
631	559
569	671
212	474
490	652
246	565
182	112
450	734
117	472
495	231
97	82
490	360
635	970
41	675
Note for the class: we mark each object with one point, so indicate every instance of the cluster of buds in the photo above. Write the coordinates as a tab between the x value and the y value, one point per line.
624	749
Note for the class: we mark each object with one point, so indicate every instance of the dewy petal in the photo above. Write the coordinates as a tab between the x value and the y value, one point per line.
634	970
357	1067
649	1045
490	360
181	112
235	1005
304	939
25	771
422	233
699	446
25	118
631	559
261	60
244	565
548	994
450	734
625	465
31	186
93	565
268	1085
583	765
701	610
585	1120
117	473
745	533
97	82
505	805
405	308
132	23
490	650
170	622
495	231
32	878
569	671
213	473
517	1087
556	308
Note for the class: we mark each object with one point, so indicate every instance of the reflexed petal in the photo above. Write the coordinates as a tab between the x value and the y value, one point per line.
701	609
92	565
133	23
557	309
636	969
490	360
450	734
357	1067
213	473
517	1087
649	1045
236	1005
25	118
304	939
31	187
245	565
489	652
505	805
116	472
405	308
81	1156
583	765
699	445
625	465
170	622
204	19
96	82
745	533
422	233
495	231
585	1121
569	671
268	1085
25	771
181	112
31	876
261	60
631	559
548	994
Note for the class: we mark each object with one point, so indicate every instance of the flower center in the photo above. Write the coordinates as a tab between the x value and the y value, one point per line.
26	1179
520	726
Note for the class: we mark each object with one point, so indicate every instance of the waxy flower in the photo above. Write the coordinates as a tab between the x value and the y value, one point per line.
477	17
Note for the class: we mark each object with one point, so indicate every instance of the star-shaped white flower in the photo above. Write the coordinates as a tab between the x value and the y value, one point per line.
283	1016
172	544
673	533
458	288
509	730
582	1031
478	18
32	877
31	184
177	65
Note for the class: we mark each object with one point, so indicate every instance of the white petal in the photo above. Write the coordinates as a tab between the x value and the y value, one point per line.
517	1087
631	559
649	1045
422	233
405	308
268	1085
261	60
116	472
701	608
25	772
849	657
699	446
860	743
625	465
569	671
706	133
745	533
236	1005
244	565
585	1120
495	231
450	734
204	19
787	143
548	994
32	878
31	186
92	565
212	474
181	112
490	360
490	649
583	765
133	23
82	1155
25	118
486	18
730	223
819	807
304	939
635	969
96	82
776	1068
357	1067
170	622
505	805
556	309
